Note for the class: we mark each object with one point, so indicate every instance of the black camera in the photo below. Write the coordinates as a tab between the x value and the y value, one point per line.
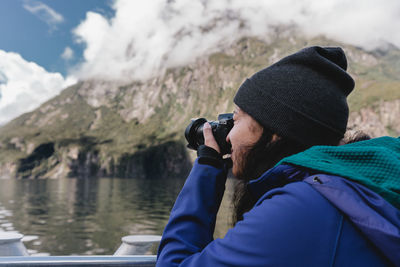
220	129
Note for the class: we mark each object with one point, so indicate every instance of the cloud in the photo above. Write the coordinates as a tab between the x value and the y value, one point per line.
44	13
145	37
25	85
68	54
3	78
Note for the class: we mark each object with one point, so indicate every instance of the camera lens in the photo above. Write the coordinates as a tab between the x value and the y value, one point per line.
194	133
220	129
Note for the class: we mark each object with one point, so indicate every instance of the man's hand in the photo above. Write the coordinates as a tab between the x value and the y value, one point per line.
209	139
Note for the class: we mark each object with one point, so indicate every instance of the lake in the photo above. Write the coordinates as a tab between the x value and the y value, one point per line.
89	216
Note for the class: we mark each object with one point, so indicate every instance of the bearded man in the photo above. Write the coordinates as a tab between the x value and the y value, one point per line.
302	200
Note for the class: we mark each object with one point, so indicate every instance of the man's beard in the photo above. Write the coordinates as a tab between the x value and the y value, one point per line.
252	162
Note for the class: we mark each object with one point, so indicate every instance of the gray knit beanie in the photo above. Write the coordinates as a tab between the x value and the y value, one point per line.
302	96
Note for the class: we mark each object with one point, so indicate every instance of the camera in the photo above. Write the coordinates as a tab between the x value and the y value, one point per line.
220	129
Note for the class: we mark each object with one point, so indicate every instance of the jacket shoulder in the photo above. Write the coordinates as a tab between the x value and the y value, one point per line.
303	225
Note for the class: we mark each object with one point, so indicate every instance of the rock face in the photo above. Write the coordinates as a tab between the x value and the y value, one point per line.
380	119
102	128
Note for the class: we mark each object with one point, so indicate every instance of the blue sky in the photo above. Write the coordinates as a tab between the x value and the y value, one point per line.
38	38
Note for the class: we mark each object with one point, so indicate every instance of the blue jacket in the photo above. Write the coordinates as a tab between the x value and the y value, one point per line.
313	220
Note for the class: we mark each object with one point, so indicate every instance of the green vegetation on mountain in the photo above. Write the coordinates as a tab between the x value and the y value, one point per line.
99	128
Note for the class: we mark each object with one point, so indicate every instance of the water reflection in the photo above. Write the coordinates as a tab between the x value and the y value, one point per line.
89	216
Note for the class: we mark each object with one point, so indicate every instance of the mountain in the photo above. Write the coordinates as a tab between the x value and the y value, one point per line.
102	128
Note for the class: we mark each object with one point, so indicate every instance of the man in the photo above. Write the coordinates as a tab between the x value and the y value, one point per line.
328	205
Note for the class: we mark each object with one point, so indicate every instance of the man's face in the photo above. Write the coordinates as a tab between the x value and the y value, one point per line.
244	134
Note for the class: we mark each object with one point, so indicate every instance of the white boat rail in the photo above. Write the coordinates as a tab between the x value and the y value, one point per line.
130	253
33	261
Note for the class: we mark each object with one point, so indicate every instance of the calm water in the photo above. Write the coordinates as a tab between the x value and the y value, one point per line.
89	216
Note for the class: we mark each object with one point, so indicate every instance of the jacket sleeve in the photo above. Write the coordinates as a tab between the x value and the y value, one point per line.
276	232
192	220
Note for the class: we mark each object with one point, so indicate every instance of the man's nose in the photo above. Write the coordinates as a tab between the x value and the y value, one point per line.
228	139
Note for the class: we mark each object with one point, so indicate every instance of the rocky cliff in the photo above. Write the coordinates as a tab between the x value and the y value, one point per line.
103	128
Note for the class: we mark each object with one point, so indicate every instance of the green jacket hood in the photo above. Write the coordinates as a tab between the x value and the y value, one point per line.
373	163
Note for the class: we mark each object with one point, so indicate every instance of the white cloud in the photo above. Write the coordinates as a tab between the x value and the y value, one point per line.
25	85
68	53
145	37
44	13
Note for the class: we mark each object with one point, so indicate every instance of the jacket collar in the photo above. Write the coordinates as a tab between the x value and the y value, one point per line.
277	176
